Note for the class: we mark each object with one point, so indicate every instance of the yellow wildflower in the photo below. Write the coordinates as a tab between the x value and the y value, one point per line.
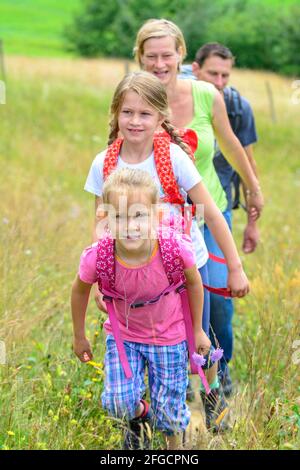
95	364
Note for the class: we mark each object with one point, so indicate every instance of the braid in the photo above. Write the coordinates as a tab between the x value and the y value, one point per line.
175	137
114	129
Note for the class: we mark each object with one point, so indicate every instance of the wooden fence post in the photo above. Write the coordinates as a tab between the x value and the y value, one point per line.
2	75
126	67
271	102
2	68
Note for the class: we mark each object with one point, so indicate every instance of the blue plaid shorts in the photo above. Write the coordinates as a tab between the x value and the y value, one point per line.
168	380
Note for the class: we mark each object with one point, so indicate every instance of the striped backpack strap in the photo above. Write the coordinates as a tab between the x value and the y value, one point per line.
164	169
189	137
105	265
170	252
161	143
105	268
111	157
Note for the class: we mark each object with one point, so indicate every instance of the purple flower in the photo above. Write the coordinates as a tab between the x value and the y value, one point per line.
199	359
217	355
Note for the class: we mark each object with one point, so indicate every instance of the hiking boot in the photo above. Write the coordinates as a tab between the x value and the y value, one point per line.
216	410
139	433
226	383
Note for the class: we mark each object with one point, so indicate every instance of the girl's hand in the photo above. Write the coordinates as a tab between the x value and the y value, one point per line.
237	283
202	342
82	349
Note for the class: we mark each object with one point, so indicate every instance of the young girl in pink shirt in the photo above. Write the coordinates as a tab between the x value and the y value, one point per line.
151	324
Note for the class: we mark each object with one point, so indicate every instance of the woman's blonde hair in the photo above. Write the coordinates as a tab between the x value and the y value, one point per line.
151	90
159	28
125	181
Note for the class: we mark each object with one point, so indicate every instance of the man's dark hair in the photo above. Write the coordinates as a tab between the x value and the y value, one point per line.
213	49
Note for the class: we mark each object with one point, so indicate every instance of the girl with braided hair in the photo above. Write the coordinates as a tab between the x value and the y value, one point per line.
139	111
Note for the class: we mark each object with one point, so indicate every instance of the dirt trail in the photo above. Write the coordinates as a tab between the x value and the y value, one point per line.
197	436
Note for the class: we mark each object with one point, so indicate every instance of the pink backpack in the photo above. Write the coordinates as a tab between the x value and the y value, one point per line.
173	265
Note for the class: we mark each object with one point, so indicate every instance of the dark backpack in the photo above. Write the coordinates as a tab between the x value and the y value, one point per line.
233	104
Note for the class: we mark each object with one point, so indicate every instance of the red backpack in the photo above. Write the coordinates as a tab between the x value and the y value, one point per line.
161	144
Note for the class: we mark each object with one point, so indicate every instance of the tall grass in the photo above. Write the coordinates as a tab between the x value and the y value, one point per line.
53	124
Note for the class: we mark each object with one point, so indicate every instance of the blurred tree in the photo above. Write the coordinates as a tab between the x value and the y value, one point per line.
289	61
90	34
259	33
109	27
194	19
249	31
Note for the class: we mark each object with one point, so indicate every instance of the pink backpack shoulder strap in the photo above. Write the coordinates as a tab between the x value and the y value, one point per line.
105	268
105	265
170	253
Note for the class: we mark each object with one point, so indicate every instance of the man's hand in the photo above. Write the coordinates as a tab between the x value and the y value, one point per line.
251	237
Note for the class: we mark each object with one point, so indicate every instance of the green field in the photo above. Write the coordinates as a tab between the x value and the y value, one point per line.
53	124
35	27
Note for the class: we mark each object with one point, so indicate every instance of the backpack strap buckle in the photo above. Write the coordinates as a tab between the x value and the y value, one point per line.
180	289
138	305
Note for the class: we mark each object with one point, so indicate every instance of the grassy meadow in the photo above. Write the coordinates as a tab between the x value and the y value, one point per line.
35	27
52	125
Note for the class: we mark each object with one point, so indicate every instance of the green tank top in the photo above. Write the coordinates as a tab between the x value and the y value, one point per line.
203	96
